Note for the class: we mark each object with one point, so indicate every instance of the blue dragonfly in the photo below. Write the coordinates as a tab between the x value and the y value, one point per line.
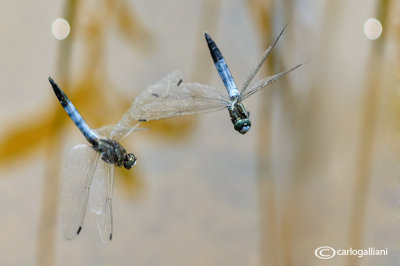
171	97
84	172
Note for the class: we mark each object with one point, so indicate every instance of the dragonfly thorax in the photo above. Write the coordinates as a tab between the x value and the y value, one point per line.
113	152
239	117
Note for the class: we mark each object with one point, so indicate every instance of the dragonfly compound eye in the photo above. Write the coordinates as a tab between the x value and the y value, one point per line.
238	125
242	125
130	160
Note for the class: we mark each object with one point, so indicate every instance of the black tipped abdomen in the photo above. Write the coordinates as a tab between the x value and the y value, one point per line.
59	93
74	114
214	51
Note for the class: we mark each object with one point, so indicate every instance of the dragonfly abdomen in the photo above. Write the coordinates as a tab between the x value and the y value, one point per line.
79	122
222	68
226	77
73	113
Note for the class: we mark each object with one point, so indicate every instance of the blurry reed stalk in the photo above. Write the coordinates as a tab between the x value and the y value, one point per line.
51	180
375	89
314	145
94	74
270	251
208	22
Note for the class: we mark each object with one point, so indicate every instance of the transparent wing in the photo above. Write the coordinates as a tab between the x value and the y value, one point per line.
120	130
101	200
260	63
104	131
171	97
124	128
265	82
77	177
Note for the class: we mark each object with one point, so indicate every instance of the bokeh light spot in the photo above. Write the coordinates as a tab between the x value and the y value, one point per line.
372	28
60	28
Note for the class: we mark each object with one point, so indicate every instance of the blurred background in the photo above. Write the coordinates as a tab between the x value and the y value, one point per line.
319	166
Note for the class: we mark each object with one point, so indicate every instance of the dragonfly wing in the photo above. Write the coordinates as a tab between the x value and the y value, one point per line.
118	131
124	128
77	177
171	97
104	131
265	82
260	63
101	200
127	124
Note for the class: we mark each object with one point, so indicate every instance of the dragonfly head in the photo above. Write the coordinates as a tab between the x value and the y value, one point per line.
239	117
129	161
242	125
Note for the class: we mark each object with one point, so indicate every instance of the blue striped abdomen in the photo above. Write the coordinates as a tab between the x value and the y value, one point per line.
222	67
227	78
74	114
79	122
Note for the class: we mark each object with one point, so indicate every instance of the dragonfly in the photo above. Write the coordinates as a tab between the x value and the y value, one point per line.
89	171
171	97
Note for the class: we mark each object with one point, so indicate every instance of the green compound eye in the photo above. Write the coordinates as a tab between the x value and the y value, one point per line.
130	161
247	122
238	125
242	126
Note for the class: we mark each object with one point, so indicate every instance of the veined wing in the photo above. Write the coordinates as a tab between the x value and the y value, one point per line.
260	63
77	178
104	131
265	82
171	97
101	200
124	128
120	130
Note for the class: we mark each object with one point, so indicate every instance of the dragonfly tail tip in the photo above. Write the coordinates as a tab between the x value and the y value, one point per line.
51	80
79	230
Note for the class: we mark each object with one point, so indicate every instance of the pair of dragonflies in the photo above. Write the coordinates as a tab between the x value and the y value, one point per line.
91	168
